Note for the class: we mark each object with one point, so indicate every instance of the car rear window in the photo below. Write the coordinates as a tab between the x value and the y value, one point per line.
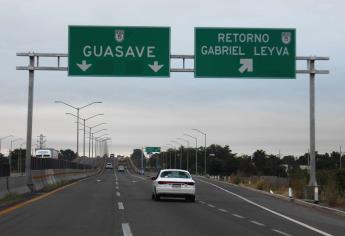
175	174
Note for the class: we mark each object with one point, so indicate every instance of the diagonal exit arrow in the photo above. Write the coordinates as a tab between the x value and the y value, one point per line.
155	67
83	66
246	65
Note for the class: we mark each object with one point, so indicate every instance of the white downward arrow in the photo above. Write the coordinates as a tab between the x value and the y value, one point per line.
246	65
155	67
83	66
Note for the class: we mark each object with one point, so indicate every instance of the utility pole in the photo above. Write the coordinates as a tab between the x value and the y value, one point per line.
340	157
196	152
205	163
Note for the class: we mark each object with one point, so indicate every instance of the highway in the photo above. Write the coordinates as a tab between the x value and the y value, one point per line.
115	203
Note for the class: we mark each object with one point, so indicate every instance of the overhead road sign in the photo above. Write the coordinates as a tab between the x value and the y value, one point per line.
152	149
118	51
245	52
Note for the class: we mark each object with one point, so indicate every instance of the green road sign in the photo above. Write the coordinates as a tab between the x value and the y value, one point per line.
118	51
152	149
235	52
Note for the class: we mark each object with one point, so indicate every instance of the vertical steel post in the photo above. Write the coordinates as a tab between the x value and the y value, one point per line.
205	153
142	160
312	181
181	158
84	139
340	157
196	156
29	123
90	143
77	131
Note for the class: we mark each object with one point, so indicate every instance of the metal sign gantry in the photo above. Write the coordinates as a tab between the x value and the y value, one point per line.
35	65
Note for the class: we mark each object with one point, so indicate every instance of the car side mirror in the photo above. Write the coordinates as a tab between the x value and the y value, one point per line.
153	178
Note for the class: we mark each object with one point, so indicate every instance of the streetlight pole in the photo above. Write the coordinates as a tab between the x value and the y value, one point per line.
205	147
169	145
84	121
97	139
78	109
196	152
91	137
3	138
185	140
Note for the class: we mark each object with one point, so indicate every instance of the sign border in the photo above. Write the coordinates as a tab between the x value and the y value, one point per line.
120	76
236	77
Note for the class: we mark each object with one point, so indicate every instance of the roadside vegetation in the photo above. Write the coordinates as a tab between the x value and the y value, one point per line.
268	172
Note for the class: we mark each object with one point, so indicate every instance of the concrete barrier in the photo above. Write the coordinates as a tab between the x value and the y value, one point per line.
3	187
40	179
17	184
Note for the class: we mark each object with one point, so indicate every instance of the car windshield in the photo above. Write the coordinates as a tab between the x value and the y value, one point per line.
175	174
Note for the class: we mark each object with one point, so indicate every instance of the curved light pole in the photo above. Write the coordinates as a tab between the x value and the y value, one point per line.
196	151
174	148
199	131
78	109
84	120
91	137
3	138
96	139
187	142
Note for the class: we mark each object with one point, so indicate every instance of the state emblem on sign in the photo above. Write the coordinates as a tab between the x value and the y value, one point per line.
286	37
119	35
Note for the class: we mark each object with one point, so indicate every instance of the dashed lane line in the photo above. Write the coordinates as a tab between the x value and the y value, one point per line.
210	205
118	194
269	210
256	223
126	229
120	206
117	187
238	216
202	202
281	232
222	210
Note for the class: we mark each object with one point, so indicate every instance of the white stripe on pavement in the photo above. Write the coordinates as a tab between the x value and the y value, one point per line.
118	194
126	229
257	223
223	210
120	205
117	187
210	205
269	210
202	202
281	232
238	216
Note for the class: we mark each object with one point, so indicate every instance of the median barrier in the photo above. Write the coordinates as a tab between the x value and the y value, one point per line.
3	187
18	184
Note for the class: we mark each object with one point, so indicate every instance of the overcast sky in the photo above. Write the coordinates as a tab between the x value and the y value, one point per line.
244	114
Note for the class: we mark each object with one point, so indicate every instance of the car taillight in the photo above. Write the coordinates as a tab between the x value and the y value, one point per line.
162	182
190	183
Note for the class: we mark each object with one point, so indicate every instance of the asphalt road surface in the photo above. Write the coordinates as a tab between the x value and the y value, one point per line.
120	204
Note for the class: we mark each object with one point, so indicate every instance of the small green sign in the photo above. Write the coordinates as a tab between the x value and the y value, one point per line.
152	149
245	52
119	51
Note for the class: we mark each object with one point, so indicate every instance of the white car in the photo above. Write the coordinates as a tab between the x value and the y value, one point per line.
173	183
109	165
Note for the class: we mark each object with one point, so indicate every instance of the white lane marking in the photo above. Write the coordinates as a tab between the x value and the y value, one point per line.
136	176
223	210
210	205
202	202
116	183
238	216
117	187
281	232
134	181
257	223
120	205
271	211
126	229
118	194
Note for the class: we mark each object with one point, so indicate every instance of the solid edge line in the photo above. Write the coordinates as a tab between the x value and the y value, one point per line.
126	229
271	211
45	195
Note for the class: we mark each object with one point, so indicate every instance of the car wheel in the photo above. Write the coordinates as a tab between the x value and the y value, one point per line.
153	196
157	197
